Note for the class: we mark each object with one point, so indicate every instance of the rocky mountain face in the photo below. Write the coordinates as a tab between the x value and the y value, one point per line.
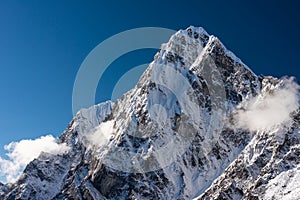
268	168
171	137
1	188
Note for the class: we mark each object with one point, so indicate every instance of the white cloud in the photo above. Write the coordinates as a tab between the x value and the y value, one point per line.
22	152
269	109
101	134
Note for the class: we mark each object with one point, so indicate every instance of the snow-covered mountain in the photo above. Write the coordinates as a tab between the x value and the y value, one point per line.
175	135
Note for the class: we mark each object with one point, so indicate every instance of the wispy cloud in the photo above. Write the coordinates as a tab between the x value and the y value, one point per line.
270	108
101	134
22	152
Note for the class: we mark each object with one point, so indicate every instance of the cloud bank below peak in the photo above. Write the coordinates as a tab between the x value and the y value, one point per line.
269	108
23	152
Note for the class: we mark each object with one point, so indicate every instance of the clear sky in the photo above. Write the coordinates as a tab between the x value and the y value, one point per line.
43	43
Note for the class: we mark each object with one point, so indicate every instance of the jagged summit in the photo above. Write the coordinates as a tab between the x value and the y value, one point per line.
172	136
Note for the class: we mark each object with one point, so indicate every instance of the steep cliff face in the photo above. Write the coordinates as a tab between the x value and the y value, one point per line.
170	137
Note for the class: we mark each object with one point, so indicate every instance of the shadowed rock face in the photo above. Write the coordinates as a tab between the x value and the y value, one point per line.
213	164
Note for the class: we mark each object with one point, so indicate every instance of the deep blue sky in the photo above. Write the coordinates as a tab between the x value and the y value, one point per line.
42	44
